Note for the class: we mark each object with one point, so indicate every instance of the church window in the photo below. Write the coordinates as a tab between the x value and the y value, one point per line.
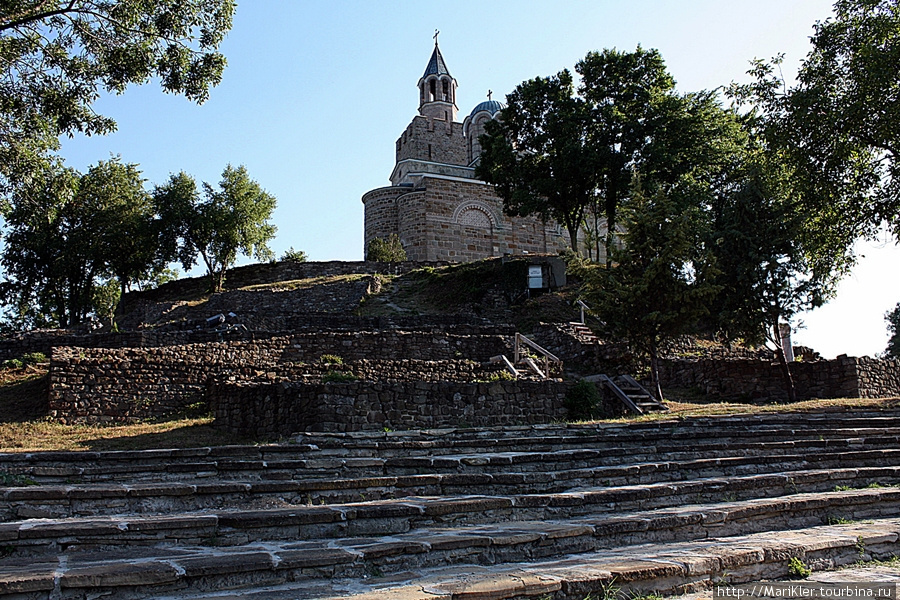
431	88
429	151
446	96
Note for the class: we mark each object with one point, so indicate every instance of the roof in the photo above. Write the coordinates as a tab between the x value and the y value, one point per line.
436	66
491	106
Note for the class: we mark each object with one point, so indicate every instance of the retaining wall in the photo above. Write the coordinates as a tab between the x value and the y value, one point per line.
748	379
97	385
277	409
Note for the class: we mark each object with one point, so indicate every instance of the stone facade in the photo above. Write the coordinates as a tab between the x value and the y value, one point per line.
762	380
434	204
120	385
273	410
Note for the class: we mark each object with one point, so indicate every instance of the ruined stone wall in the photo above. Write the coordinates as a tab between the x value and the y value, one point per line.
272	410
750	379
98	385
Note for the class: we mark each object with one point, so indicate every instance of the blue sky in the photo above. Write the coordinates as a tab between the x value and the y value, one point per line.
316	93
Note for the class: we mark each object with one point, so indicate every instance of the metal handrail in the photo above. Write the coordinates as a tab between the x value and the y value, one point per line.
547	355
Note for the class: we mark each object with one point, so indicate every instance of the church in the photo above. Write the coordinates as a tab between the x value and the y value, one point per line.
435	204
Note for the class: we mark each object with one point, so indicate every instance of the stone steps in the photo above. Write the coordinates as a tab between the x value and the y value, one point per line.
637	571
469	511
806	473
307	460
695	550
391	517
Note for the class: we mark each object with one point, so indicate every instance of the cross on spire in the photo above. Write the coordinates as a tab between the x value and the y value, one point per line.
436	33
489	94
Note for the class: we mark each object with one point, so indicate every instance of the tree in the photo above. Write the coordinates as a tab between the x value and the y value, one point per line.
845	109
566	154
292	255
893	320
537	153
389	250
56	56
125	224
656	288
769	265
839	125
231	218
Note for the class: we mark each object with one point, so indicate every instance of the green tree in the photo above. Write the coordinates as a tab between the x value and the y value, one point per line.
770	266
57	56
845	109
229	219
68	233
657	288
839	125
567	154
893	320
538	155
389	250
125	224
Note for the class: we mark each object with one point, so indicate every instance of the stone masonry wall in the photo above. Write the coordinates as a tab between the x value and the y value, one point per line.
433	224
97	385
748	379
272	410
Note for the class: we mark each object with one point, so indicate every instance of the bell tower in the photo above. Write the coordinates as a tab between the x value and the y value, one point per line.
437	89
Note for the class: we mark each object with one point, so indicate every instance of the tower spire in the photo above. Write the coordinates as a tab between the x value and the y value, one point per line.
437	87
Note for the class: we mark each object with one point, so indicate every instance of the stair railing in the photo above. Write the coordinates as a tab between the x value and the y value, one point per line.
548	356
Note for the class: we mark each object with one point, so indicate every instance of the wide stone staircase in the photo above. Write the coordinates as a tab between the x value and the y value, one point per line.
548	512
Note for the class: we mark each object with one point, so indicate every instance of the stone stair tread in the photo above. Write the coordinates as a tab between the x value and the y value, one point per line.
444	538
634	568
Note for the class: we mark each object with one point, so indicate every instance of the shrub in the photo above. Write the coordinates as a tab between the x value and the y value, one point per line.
389	250
294	255
582	401
338	377
13	363
798	568
331	359
34	358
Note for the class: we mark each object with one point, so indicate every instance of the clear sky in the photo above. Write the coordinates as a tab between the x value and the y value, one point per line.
316	93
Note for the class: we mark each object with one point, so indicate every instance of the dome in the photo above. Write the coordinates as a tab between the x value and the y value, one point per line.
491	106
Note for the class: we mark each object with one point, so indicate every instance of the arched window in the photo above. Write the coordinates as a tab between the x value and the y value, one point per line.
446	96
433	90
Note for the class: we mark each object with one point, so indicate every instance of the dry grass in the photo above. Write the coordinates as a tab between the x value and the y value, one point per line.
42	434
705	409
24	425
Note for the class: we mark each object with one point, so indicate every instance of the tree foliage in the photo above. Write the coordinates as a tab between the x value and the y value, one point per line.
839	125
389	250
66	232
538	153
230	219
893	320
57	56
563	152
657	287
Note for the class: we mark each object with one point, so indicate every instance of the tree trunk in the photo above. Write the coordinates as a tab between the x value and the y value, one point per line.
611	202
785	367
654	373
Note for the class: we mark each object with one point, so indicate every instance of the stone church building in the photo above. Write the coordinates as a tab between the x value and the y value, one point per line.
434	204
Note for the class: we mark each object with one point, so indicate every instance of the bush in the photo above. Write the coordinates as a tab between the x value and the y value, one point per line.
294	255
331	359
583	401
33	358
13	363
338	377
390	250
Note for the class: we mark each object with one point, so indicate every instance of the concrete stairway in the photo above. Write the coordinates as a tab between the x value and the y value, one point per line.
542	512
